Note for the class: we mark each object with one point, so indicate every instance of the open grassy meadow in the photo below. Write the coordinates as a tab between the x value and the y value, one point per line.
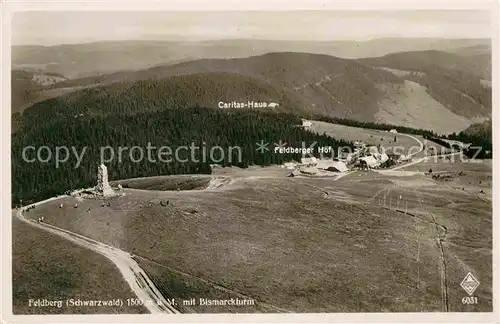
301	244
187	182
402	145
471	176
45	266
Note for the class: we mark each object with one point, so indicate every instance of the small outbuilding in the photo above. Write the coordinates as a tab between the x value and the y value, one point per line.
333	166
310	171
368	162
289	165
306	124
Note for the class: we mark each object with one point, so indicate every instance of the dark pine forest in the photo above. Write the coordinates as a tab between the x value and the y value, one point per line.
172	127
128	114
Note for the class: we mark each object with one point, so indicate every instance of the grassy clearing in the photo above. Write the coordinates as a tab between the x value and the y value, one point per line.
184	287
292	254
301	244
369	136
466	217
166	183
45	266
403	144
474	178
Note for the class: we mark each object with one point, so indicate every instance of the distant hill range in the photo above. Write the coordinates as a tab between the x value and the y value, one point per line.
436	90
90	59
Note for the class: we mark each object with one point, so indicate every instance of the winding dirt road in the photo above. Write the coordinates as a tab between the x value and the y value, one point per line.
136	278
416	139
421	160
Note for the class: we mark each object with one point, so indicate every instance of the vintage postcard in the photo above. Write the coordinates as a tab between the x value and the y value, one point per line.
232	162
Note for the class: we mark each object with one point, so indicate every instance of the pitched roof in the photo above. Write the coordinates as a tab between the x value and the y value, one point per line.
340	166
370	161
309	170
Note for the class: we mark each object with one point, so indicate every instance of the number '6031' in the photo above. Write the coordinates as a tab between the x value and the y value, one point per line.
469	300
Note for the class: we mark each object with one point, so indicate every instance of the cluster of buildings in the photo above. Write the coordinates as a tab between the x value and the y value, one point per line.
368	157
314	166
362	158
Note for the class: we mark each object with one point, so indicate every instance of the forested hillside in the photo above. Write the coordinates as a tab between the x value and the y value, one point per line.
477	64
481	129
434	90
480	135
152	95
451	79
170	127
161	105
318	84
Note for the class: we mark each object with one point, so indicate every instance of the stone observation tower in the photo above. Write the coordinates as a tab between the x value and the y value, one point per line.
103	188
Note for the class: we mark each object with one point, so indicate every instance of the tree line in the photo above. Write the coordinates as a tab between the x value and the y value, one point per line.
481	145
202	127
372	125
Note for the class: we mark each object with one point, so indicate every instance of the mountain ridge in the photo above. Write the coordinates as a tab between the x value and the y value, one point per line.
97	58
374	89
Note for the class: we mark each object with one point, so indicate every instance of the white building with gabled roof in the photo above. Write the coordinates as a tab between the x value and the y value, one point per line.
306	123
309	161
309	170
331	165
369	161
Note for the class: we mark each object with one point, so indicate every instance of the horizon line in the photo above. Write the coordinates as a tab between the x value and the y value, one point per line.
250	39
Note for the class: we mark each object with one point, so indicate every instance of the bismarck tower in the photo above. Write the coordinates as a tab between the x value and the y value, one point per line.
103	188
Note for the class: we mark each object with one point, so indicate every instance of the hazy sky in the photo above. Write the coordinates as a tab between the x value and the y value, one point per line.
50	28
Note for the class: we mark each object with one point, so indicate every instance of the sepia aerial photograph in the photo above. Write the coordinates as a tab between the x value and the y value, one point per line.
223	162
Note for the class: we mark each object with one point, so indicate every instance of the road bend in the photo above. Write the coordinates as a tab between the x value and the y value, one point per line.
136	278
425	158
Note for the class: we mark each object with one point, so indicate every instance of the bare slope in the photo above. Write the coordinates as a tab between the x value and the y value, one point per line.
452	80
45	266
410	105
